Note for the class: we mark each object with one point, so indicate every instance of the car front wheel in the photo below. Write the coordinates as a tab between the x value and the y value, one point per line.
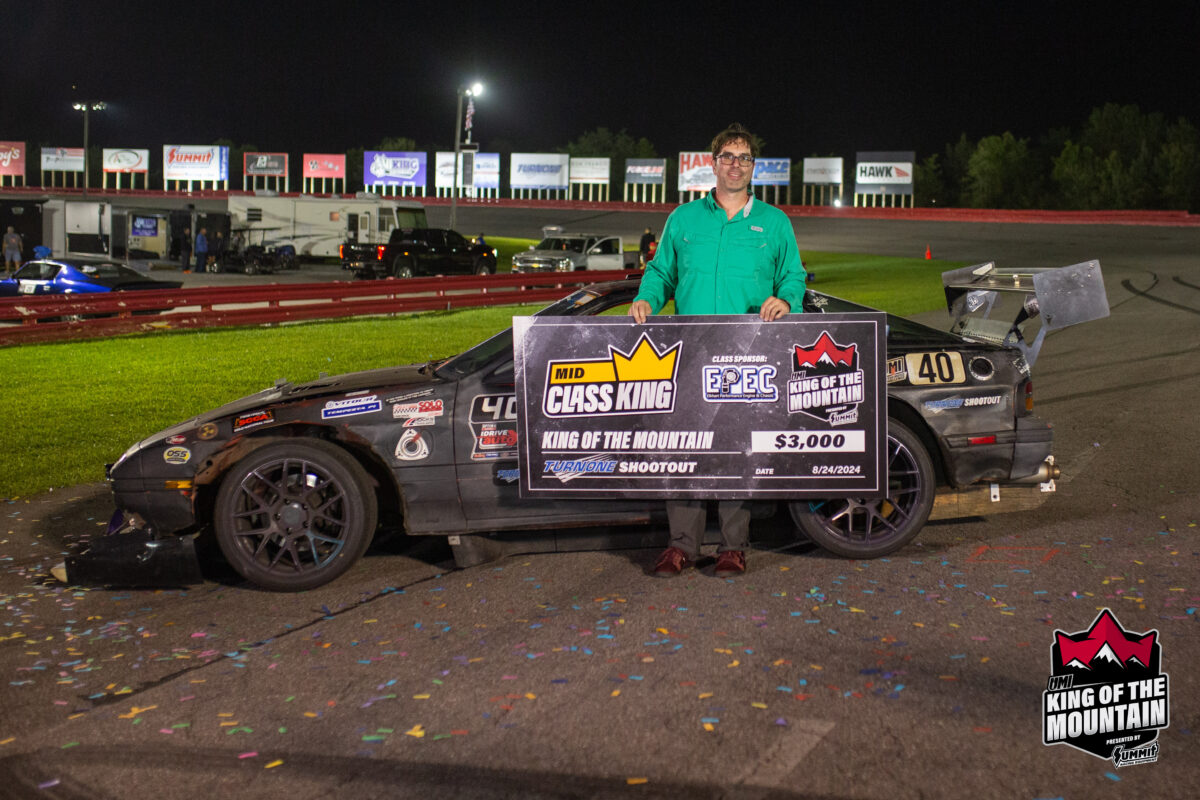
295	515
858	528
482	267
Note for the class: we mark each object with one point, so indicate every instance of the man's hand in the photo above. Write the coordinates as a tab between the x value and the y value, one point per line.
640	309
773	308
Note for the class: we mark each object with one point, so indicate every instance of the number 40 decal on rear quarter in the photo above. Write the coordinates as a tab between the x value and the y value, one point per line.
928	368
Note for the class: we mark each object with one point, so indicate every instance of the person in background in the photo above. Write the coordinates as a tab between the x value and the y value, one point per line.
201	249
217	252
645	247
185	249
12	250
726	253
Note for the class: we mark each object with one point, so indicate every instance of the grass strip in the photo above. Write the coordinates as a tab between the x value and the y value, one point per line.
71	407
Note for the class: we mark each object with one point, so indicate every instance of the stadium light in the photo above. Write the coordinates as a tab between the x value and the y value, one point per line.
475	90
85	107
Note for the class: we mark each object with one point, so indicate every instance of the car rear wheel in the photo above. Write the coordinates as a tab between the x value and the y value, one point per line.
858	528
295	515
402	267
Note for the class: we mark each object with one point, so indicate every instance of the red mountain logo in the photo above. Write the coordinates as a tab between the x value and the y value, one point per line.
1106	642
824	351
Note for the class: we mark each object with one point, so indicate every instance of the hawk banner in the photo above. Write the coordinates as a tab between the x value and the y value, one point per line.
701	407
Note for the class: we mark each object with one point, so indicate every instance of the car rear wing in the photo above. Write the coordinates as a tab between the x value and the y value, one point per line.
1043	298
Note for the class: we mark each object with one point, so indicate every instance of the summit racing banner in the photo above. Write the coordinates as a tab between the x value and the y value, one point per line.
701	407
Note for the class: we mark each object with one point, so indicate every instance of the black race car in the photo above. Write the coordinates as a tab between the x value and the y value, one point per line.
295	480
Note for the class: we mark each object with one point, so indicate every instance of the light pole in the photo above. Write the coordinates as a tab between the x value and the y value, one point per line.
85	107
475	90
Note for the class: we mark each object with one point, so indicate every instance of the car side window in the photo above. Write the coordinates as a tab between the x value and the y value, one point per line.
608	246
455	239
435	238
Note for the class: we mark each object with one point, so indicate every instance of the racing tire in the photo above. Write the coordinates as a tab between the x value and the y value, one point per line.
402	268
295	515
857	528
483	268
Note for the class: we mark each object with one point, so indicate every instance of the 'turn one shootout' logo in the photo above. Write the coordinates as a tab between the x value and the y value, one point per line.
1106	695
641	381
826	382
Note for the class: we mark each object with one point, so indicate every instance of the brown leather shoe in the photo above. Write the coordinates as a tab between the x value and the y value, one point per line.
672	562
730	564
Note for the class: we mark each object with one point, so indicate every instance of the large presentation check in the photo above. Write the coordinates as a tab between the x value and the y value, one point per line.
702	407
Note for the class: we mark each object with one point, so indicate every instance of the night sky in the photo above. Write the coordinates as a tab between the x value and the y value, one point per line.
811	78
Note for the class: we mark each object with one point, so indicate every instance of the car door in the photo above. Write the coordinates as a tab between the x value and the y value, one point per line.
486	439
458	254
37	277
433	260
606	254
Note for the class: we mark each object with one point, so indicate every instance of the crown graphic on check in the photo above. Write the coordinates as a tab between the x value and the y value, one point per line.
645	362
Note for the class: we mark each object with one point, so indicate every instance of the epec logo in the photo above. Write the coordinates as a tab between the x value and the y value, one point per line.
641	381
826	382
1106	694
739	383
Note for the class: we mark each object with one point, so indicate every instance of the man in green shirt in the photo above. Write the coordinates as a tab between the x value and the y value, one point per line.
726	253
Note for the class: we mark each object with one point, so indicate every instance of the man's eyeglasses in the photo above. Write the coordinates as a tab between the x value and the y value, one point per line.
729	159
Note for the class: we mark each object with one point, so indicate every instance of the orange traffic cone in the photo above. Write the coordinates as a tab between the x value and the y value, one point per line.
928	253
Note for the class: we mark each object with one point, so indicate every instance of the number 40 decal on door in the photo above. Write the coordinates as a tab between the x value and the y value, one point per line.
929	368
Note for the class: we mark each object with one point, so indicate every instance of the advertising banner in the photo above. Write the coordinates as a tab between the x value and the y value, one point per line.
487	170
62	159
823	171
884	172
388	168
696	172
486	173
146	227
123	159
701	407
772	172
12	158
185	162
539	171
324	165
267	165
646	170
590	170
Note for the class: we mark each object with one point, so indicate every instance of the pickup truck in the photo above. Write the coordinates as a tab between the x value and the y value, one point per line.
566	252
418	251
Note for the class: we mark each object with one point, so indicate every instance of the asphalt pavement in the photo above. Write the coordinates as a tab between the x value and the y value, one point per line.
578	675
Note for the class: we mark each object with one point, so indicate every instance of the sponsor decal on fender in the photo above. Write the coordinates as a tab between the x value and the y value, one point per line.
421	408
641	381
493	421
1106	694
412	446
410	396
177	455
826	382
253	419
350	407
178	438
207	431
896	371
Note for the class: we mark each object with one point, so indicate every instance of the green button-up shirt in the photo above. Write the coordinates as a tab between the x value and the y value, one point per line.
714	265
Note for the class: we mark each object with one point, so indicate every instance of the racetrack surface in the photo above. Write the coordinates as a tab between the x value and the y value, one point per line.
571	674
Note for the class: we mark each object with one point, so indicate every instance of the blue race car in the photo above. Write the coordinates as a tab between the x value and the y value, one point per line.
77	276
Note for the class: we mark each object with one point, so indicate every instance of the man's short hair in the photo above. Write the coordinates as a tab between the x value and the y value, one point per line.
732	134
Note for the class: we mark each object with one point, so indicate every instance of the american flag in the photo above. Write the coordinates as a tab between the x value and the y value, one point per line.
470	113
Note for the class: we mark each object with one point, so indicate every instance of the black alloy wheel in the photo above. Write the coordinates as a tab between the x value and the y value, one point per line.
295	514
482	267
858	528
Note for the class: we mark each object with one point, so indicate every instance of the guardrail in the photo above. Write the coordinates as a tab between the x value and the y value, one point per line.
49	318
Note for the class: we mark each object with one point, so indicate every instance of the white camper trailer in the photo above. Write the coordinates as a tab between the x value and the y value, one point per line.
316	226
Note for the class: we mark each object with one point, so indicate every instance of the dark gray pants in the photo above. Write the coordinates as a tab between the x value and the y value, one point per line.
687	525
